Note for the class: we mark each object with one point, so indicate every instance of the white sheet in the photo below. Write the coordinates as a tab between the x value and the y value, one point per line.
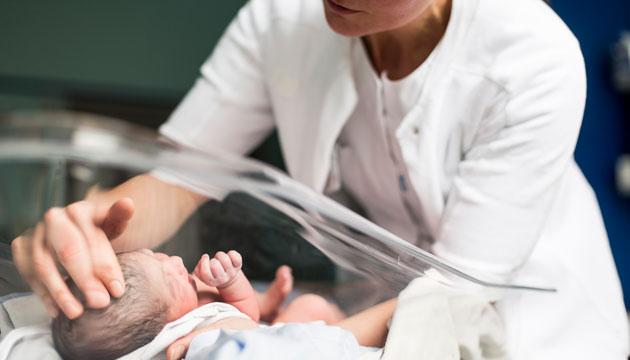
433	322
21	309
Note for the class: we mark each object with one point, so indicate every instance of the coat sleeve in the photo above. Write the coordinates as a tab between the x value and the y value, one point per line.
228	108
506	183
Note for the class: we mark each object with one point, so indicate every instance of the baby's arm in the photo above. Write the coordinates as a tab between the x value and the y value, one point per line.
224	272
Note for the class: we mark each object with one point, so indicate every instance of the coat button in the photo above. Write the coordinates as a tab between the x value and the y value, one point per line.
415	130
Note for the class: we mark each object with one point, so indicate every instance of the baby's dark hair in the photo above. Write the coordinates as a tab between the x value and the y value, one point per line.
128	323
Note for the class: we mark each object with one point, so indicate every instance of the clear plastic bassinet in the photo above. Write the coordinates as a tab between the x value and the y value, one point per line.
54	159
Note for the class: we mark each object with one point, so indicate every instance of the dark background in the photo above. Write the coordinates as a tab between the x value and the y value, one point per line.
136	59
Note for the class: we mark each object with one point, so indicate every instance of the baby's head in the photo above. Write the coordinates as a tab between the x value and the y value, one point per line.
158	290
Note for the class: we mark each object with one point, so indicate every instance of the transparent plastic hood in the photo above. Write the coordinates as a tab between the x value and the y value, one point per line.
55	159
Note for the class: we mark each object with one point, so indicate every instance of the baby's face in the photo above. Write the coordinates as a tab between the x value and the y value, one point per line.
171	280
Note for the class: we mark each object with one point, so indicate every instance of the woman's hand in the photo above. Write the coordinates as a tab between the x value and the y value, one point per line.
78	239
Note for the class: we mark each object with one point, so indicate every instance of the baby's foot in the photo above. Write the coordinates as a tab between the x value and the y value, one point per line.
221	270
271	301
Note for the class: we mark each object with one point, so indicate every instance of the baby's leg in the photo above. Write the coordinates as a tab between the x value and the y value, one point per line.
310	307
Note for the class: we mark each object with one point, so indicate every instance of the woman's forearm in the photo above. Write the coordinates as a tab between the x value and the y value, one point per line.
159	210
370	325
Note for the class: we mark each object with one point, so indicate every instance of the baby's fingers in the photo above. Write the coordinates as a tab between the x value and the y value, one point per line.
228	264
224	260
235	257
197	270
217	270
202	270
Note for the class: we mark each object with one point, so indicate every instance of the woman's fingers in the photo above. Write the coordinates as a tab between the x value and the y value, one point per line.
49	303
71	249
72	238
105	265
49	283
22	249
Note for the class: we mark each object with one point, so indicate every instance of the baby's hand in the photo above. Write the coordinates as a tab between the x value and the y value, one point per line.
221	270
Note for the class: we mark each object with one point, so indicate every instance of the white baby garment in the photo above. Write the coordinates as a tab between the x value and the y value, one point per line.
35	341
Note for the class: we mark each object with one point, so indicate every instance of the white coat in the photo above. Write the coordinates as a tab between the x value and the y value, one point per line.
489	149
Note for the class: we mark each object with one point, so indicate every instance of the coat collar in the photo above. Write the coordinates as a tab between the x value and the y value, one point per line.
339	98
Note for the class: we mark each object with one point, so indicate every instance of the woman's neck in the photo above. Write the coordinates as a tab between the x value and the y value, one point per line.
400	51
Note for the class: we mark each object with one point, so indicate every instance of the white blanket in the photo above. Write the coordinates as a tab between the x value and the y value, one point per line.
436	322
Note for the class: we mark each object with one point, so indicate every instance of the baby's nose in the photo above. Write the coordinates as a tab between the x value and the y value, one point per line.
178	264
178	260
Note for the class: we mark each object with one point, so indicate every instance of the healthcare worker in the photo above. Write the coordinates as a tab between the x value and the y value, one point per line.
451	122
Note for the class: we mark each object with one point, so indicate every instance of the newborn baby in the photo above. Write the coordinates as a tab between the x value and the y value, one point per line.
159	290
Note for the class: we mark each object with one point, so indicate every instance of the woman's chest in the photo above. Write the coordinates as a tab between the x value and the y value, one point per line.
427	139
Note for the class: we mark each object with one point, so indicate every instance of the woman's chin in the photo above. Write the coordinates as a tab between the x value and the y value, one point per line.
343	26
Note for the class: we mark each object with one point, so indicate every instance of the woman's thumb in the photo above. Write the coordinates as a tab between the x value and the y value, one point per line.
117	218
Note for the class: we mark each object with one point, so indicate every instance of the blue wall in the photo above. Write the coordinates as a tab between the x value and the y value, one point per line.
606	129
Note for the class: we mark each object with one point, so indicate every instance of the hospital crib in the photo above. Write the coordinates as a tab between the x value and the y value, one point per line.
55	159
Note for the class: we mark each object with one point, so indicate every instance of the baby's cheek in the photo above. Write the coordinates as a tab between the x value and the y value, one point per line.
178	309
191	300
181	301
187	298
